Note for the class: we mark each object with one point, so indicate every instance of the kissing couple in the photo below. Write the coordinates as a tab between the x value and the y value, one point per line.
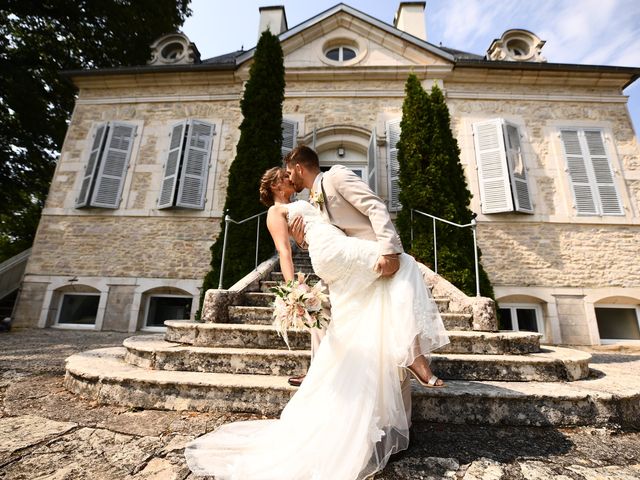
353	410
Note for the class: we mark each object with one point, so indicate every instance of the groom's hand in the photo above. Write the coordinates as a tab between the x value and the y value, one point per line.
387	265
296	230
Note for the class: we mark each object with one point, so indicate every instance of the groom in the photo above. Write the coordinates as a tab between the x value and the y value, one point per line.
348	203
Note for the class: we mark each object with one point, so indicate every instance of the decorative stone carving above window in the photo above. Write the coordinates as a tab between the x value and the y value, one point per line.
517	46
174	49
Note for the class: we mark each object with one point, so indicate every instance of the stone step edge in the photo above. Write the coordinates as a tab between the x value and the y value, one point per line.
102	375
575	361
155	342
256	327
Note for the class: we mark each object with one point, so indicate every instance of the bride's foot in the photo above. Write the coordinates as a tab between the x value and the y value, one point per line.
423	374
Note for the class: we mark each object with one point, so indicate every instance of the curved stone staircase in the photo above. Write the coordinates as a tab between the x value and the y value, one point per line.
493	377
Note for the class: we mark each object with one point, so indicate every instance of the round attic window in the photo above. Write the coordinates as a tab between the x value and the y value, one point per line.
341	53
519	48
172	51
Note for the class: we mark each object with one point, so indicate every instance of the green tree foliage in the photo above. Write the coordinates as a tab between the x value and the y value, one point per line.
38	39
432	180
259	149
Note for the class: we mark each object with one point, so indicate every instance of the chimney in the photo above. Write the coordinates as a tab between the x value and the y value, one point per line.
410	18
274	19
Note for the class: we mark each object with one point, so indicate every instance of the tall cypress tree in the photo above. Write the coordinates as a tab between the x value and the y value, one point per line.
432	180
259	148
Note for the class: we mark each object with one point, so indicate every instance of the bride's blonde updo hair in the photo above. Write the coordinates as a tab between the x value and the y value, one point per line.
269	179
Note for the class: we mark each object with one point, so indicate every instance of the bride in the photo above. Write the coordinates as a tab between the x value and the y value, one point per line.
348	417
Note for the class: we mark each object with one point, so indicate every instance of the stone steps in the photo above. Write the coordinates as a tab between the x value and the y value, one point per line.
553	364
225	335
103	375
311	277
265	299
262	316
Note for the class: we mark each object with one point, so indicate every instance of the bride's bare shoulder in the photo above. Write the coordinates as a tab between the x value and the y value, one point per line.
277	210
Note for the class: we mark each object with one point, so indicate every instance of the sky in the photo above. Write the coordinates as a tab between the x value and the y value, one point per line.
590	32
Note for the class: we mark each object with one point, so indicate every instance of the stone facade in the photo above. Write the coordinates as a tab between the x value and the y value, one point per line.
561	262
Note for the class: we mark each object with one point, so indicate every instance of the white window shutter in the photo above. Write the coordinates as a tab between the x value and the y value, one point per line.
195	165
92	164
517	169
608	195
172	166
493	175
372	163
393	166
113	166
289	135
575	157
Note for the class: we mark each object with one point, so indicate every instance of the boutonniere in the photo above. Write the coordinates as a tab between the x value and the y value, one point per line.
316	198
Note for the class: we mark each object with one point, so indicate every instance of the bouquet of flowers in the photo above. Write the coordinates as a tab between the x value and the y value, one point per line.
298	306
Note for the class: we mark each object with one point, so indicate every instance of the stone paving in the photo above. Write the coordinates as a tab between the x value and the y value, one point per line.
48	433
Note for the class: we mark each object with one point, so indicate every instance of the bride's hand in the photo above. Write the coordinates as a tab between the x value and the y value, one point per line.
297	230
387	265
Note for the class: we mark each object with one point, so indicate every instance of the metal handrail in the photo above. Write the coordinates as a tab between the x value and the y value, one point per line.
473	226
228	220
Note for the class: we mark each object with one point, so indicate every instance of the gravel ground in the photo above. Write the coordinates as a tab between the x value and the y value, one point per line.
48	433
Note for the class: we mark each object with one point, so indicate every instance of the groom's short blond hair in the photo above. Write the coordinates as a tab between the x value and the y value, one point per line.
303	155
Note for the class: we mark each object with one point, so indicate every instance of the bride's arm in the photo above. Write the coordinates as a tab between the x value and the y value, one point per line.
279	230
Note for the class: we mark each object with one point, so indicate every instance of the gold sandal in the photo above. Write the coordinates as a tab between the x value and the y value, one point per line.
431	383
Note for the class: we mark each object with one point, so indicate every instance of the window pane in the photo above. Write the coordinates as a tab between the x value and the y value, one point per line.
618	323
348	54
334	54
168	308
527	319
79	309
504	319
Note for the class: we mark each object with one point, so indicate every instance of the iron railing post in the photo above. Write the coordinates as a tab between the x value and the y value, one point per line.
435	247
475	255
412	228
227	220
257	243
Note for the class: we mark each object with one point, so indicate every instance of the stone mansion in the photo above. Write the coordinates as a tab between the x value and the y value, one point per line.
549	152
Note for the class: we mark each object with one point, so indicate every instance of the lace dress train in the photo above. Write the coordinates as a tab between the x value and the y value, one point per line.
348	416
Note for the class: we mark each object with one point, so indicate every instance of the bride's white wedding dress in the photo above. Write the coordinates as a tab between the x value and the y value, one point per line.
348	416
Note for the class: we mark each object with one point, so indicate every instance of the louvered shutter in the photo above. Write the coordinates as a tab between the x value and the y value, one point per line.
113	165
289	135
517	169
583	193
171	167
393	137
195	166
92	164
493	175
606	188
372	163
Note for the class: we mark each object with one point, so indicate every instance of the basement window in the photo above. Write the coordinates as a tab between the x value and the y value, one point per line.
618	323
78	310
167	307
521	318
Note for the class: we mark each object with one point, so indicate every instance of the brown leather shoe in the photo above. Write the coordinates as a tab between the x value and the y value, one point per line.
296	381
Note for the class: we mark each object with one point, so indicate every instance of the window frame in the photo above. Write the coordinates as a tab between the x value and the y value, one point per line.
529	306
614	341
155	328
590	171
76	326
181	175
99	174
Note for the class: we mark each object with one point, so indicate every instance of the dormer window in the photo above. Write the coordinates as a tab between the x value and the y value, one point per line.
516	45
341	54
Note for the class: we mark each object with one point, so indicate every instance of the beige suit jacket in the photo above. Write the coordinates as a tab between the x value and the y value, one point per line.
351	206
